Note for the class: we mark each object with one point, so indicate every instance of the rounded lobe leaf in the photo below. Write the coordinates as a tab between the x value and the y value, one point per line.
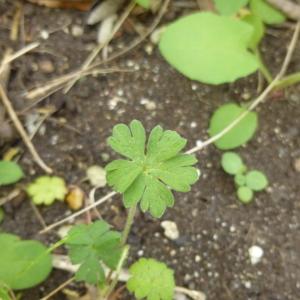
239	134
258	32
209	48
229	7
245	194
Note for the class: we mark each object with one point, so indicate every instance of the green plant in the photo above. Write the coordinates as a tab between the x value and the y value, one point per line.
143	3
229	8
23	264
246	182
10	172
91	246
148	176
151	279
209	48
239	134
46	189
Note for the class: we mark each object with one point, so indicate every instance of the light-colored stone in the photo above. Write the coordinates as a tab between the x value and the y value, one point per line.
170	229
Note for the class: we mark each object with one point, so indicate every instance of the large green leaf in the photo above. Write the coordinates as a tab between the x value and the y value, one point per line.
91	246
266	12
10	172
151	279
239	134
23	264
229	7
149	175
209	48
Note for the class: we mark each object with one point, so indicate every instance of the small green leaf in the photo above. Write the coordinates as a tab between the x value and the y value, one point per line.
266	12
151	173
143	3
46	189
151	279
4	293
256	180
232	163
10	172
258	32
209	48
23	264
91	246
229	7
238	135
240	179
245	194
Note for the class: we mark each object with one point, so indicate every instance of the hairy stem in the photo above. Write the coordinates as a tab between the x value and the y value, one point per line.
129	221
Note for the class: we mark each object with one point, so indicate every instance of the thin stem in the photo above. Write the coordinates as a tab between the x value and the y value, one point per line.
262	67
129	221
288	81
117	273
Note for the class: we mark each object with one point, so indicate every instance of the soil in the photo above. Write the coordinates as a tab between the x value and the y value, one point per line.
216	231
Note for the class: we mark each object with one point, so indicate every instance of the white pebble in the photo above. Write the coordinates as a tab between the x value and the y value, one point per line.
170	229
256	253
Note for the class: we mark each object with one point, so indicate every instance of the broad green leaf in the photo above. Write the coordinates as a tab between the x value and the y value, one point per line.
266	12
148	177
23	263
256	180
143	3
232	163
10	172
245	194
238	135
209	48
229	7
258	32
151	279
91	246
46	189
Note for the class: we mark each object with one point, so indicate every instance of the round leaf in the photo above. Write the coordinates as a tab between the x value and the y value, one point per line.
227	7
245	194
10	172
239	134
240	179
23	264
209	48
266	12
256	180
232	163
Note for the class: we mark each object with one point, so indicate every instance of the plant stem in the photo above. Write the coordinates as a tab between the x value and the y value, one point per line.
117	273
129	221
262	67
288	80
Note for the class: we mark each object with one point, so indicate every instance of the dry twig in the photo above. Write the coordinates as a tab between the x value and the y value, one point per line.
291	9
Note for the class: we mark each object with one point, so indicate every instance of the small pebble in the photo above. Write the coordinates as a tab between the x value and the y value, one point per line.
46	66
256	253
297	164
77	30
170	230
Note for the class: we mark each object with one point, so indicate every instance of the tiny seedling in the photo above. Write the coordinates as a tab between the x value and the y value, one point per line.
46	189
239	134
151	279
246	182
23	263
10	172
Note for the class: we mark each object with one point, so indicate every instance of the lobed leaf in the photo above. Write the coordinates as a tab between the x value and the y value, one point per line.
229	7
151	279
91	246
256	180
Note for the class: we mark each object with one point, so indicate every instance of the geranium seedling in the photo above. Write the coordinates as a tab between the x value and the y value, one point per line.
10	172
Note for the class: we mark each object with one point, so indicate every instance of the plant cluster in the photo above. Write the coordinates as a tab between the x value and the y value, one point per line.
247	182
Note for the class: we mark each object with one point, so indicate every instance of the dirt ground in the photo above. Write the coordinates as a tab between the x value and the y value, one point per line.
216	231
